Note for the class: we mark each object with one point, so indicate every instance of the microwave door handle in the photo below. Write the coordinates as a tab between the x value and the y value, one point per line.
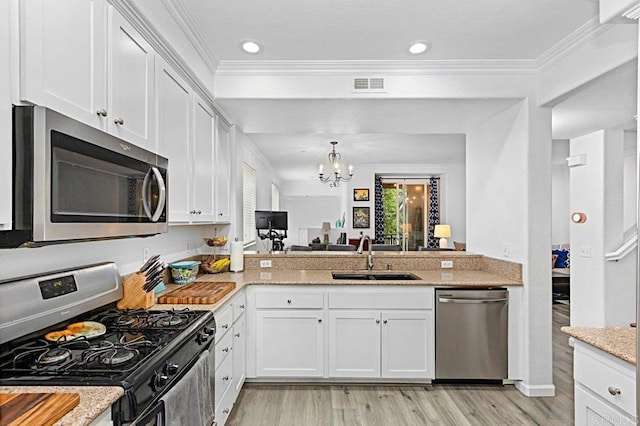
162	196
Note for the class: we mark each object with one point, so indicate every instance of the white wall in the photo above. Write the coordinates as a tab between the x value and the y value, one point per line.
247	152
630	193
602	292
509	207
560	210
127	252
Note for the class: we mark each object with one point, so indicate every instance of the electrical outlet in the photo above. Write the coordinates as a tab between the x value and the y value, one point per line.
145	254
446	264
505	250
265	264
188	246
585	251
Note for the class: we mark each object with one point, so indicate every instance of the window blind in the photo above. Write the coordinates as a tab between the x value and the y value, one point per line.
248	203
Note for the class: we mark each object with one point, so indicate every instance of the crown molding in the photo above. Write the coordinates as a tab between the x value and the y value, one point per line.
573	41
161	46
341	67
633	13
179	11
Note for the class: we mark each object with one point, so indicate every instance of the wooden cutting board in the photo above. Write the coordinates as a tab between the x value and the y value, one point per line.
197	293
22	409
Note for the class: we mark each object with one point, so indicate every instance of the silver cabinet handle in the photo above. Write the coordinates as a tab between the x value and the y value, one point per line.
225	378
377	321
225	411
225	349
192	212
614	391
102	112
119	121
225	326
237	334
241	306
471	301
319	319
199	212
289	301
384	321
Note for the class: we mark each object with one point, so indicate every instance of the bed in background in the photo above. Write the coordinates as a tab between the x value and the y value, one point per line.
561	271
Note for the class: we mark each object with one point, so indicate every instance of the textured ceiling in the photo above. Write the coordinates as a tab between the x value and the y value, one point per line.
382	30
604	103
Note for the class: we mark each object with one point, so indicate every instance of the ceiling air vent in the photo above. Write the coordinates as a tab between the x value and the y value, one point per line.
368	85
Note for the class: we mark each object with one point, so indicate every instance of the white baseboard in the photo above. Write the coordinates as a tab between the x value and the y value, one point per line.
536	390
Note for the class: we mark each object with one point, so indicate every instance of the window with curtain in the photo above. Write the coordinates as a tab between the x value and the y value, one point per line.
275	198
248	203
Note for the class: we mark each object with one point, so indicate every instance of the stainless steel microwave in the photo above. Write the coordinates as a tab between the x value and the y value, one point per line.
74	182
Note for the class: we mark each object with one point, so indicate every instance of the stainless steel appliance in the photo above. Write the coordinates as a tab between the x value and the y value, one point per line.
148	353
74	182
471	334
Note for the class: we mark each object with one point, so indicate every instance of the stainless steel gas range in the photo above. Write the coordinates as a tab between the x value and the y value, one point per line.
148	353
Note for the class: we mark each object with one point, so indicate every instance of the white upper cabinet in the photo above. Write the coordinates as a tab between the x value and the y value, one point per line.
63	57
174	125
203	162
131	74
5	119
82	59
223	174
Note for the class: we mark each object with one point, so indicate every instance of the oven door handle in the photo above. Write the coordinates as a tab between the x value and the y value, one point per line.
154	416
162	196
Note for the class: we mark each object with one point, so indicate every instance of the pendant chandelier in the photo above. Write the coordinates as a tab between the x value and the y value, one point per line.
335	176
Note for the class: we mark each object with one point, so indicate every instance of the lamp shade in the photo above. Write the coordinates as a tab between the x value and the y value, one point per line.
442	231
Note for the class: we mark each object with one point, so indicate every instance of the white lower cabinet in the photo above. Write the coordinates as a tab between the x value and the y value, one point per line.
290	343
359	332
605	392
385	344
230	353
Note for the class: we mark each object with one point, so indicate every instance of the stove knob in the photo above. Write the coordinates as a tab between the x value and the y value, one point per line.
171	369
202	338
160	380
209	330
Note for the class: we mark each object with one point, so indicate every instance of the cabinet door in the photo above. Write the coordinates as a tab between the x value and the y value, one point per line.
354	344
591	410
6	189
239	355
174	106
223	174
63	57
407	344
203	166
131	78
290	343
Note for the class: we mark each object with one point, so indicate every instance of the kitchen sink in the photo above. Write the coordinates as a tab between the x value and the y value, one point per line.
399	276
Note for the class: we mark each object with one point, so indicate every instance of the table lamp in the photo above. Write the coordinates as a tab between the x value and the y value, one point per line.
443	232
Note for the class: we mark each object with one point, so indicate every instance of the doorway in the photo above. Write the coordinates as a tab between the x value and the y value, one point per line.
405	206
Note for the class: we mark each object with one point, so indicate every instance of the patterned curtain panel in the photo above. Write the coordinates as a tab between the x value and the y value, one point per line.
434	211
379	211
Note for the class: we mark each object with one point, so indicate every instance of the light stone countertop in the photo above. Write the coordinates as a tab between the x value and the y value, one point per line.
453	278
94	400
617	341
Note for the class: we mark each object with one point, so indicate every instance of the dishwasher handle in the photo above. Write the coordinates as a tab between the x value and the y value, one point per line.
469	301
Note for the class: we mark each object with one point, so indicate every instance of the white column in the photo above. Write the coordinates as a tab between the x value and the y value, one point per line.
601	291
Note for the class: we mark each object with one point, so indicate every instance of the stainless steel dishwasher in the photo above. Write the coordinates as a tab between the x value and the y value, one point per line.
471	334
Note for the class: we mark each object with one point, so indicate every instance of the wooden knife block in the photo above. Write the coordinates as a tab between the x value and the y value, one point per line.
134	295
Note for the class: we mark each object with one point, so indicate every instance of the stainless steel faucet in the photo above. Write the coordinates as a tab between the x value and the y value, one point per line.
369	256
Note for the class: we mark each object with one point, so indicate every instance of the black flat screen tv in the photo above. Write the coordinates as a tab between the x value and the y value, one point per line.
278	220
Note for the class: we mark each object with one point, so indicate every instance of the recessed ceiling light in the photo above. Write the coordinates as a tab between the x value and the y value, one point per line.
419	47
251	47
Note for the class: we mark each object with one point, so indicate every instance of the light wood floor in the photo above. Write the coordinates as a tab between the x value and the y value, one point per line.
301	405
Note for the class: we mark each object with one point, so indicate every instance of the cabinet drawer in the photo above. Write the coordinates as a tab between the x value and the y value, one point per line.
238	305
224	320
380	300
223	348
223	380
591	410
289	299
601	374
223	409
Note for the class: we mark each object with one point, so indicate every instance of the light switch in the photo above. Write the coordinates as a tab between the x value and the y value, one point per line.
585	251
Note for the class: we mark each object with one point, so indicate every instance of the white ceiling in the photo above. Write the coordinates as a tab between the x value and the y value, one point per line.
294	135
605	103
382	30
